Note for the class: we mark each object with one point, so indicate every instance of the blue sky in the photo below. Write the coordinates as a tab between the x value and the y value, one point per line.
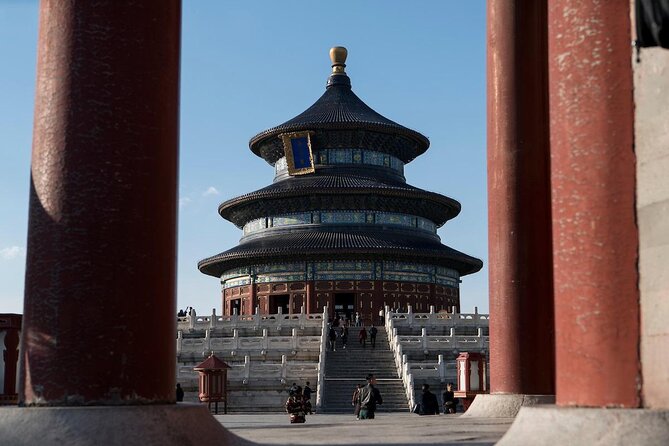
250	65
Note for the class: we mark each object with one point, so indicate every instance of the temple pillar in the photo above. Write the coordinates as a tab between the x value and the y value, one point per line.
519	213
595	237
99	311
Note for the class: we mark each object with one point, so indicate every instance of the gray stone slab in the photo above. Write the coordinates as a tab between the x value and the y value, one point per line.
160	425
386	429
552	425
504	406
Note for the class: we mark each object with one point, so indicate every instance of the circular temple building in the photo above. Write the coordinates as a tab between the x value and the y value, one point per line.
339	226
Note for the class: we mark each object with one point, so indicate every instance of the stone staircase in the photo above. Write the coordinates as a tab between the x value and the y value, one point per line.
344	368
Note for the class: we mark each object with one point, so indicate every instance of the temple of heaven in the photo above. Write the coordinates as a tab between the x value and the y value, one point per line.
339	226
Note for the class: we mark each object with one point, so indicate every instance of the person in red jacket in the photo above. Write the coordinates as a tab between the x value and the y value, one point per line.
362	336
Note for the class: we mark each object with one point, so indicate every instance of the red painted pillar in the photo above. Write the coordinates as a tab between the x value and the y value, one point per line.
99	317
594	230
519	214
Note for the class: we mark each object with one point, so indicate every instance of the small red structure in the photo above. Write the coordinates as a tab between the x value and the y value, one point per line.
10	328
471	377
213	385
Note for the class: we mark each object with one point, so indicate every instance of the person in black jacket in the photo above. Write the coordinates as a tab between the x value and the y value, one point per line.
180	393
429	404
450	402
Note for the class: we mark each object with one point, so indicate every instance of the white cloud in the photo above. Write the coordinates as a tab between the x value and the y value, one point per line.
184	201
211	191
12	252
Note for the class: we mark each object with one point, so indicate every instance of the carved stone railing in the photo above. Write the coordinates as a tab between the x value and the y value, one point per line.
202	346
401	344
244	372
256	321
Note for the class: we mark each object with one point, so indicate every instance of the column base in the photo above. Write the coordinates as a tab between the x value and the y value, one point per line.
504	405
181	424
552	425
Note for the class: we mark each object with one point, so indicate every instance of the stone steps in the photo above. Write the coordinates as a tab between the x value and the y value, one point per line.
346	367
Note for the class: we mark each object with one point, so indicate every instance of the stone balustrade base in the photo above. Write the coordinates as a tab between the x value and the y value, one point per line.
181	424
552	425
504	405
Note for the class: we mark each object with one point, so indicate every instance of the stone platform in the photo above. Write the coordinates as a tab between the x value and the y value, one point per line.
386	429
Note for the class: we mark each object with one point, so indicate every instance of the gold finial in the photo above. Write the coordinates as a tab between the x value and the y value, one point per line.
338	57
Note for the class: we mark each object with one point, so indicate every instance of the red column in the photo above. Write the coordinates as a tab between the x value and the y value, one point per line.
595	234
521	283
100	281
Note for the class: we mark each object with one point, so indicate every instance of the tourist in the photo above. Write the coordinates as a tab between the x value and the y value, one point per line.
293	389
362	336
180	393
355	402
372	336
344	337
429	404
450	402
369	398
332	336
295	407
382	320
357	319
307	398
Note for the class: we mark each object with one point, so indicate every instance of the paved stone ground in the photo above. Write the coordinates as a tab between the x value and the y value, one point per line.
386	429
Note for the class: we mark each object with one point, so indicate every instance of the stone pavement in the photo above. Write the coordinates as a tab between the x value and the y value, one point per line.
386	429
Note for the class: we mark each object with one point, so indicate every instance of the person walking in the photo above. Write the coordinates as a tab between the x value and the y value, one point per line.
344	337
180	393
332	337
372	336
369	398
306	394
356	402
428	404
362	336
382	319
357	319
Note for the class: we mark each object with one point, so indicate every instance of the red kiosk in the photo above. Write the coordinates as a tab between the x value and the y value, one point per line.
213	385
471	377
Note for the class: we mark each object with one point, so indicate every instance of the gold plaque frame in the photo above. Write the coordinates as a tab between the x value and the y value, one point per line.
288	151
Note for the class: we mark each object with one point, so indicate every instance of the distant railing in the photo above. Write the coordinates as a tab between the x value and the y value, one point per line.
400	344
257	320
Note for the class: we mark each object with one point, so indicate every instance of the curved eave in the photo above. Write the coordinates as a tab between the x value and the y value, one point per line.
268	145
315	245
338	109
445	207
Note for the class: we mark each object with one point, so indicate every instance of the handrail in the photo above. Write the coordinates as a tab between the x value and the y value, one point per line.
320	385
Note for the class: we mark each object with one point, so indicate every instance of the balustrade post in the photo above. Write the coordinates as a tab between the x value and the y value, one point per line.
441	367
180	340
247	368
207	342
423	339
213	320
451	332
294	339
256	318
235	340
265	340
234	319
191	322
284	367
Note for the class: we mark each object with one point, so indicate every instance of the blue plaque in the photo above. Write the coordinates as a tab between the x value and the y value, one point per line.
299	156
